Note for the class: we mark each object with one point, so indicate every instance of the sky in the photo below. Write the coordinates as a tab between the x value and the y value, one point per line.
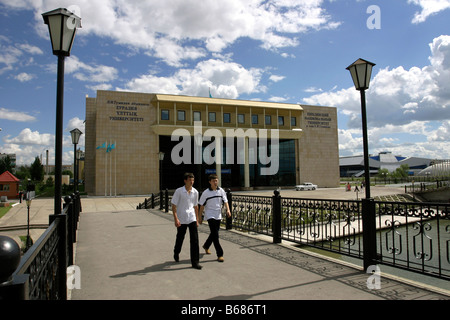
292	51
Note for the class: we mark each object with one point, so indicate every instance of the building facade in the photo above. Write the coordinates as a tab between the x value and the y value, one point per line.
248	144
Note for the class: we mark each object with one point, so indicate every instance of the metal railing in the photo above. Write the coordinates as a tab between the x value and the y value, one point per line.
42	271
412	236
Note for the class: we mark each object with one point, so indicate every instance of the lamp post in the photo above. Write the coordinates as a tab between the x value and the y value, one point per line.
161	158
361	71
79	173
62	25
29	242
75	133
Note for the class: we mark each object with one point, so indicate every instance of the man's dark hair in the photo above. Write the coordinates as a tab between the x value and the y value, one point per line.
188	175
212	177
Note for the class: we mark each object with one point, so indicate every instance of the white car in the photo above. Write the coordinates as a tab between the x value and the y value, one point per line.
306	186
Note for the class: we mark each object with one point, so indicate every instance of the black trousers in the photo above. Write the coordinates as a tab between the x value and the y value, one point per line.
214	227
193	234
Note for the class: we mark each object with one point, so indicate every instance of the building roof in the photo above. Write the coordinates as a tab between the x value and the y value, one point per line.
8	177
224	102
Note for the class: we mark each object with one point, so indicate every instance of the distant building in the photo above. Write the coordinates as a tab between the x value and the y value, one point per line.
9	185
353	166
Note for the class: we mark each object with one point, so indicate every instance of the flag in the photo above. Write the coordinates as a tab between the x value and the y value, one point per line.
210	93
110	147
103	146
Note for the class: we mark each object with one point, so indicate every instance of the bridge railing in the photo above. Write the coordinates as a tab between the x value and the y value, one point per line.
41	273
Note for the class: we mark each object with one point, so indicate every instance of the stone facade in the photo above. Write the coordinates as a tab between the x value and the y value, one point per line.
123	128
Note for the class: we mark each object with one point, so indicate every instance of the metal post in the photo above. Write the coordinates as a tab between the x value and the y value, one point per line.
62	254
75	173
369	233
365	144
166	200
229	220
59	134
276	211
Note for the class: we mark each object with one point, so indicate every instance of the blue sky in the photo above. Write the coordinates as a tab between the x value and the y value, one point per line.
289	51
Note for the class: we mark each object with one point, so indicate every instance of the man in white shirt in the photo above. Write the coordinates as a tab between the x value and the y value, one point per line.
211	202
185	215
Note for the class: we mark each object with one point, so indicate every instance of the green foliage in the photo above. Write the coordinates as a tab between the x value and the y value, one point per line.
37	170
5	164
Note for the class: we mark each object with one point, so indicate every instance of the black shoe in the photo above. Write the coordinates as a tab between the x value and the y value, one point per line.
176	256
197	266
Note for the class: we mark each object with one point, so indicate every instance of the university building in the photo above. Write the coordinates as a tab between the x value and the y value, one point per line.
137	143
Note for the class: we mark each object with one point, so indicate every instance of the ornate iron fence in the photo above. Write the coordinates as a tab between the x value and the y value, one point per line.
41	273
412	236
415	236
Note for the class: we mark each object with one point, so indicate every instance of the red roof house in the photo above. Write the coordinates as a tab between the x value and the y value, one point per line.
9	185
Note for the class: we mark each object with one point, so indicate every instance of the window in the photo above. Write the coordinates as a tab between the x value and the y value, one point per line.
164	114
212	117
281	120
197	116
268	120
181	115
293	121
226	117
254	119
241	118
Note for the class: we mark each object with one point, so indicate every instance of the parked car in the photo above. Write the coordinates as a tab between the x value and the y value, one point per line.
306	186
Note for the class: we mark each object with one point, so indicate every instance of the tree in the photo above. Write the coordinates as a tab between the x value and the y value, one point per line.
402	171
37	170
5	164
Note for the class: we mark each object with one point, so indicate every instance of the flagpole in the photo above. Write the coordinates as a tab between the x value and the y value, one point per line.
106	170
115	171
110	170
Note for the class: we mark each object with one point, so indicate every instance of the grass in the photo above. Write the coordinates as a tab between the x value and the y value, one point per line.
4	210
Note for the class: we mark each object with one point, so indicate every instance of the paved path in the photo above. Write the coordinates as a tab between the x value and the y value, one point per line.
129	255
125	253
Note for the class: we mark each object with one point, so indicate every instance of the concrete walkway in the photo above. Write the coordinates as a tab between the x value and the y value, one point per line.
129	255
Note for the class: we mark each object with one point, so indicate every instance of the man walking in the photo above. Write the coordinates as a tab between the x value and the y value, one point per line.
211	202
185	215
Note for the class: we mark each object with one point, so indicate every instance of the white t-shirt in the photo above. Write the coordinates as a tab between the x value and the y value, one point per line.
185	203
213	200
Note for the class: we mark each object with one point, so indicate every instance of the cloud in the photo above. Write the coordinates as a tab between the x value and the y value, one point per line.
399	102
429	7
11	115
90	73
177	30
226	79
11	54
28	137
24	77
398	96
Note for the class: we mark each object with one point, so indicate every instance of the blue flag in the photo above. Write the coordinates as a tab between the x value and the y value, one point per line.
103	146
110	147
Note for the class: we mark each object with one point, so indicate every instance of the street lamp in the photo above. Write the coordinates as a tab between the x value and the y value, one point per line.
62	25
75	133
29	241
361	71
161	158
